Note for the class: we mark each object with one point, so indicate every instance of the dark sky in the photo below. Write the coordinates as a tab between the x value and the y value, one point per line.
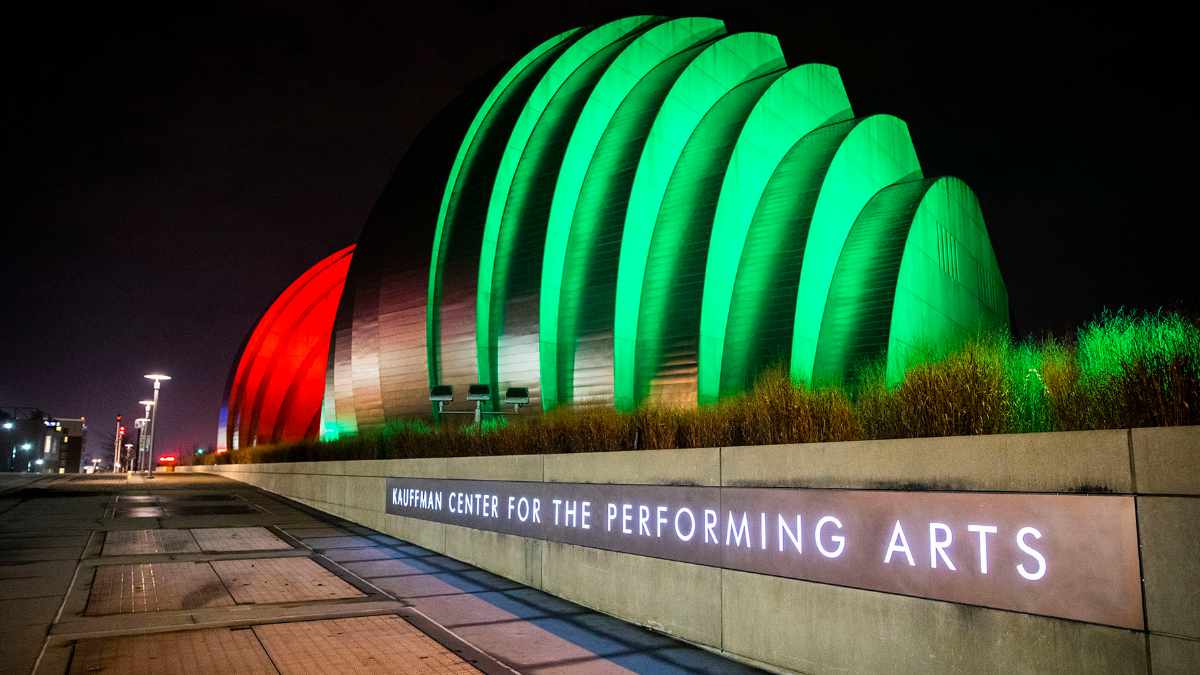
171	173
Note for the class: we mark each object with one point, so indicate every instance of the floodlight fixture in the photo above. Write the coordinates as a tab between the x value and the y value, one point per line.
157	377
516	397
441	394
479	393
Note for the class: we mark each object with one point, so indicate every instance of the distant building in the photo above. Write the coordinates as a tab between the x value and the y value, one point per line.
33	441
74	430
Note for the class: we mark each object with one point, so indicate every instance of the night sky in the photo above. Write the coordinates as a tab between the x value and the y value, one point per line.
170	174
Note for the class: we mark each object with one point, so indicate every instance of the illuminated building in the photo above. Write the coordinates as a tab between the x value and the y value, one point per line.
34	442
649	210
274	389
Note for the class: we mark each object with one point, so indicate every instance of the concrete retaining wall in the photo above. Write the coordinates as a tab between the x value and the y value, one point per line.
811	627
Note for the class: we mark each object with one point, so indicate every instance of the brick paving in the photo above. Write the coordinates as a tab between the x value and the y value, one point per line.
216	539
370	644
155	587
191	573
143	542
281	580
217	650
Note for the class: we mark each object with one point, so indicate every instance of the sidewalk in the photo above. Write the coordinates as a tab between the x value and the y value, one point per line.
192	573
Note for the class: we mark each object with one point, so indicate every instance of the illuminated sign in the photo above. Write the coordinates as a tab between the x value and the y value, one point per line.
1071	556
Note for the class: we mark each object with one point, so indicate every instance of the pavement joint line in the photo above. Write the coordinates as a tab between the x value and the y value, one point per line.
265	651
295	542
351	578
95	545
176	620
456	643
143	558
61	607
331	564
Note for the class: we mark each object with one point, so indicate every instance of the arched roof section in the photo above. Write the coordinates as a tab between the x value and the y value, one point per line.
514	231
459	228
719	68
673	286
804	98
604	142
949	286
274	393
917	273
876	153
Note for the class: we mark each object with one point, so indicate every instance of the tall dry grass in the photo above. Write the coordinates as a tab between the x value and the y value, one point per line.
1121	370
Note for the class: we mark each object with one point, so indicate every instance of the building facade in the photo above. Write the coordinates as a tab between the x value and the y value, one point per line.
35	442
651	210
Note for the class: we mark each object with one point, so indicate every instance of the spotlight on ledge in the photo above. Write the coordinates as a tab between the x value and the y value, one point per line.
516	397
441	394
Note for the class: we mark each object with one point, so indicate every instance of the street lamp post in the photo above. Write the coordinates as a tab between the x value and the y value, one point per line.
158	379
118	436
143	426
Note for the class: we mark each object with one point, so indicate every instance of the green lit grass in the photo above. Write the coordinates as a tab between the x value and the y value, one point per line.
1120	371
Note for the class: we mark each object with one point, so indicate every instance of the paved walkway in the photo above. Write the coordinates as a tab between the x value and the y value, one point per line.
192	573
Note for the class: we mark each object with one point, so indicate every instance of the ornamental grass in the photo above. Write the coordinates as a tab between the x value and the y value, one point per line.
1121	370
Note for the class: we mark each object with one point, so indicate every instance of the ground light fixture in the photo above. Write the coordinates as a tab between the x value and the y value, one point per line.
441	394
479	393
516	397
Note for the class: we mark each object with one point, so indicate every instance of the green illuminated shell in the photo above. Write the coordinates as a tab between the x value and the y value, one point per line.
668	210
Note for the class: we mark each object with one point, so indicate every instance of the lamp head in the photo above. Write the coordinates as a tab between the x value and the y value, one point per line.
147	403
157	377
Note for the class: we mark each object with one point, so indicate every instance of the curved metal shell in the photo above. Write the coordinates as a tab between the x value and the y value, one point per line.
648	210
275	387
